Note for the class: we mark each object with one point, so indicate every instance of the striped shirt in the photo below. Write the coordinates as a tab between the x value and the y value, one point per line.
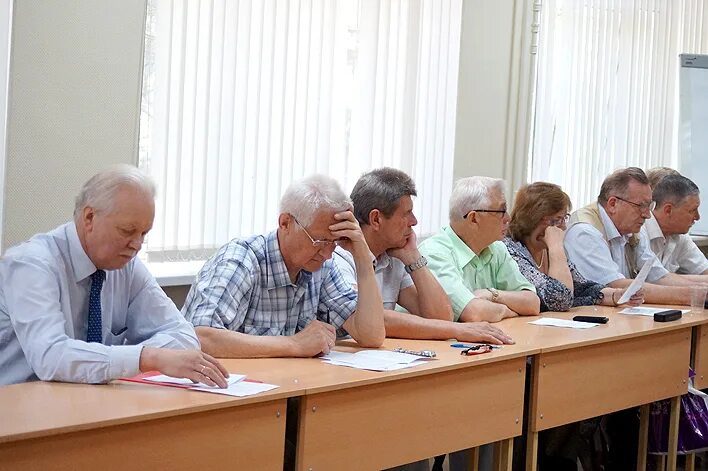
245	287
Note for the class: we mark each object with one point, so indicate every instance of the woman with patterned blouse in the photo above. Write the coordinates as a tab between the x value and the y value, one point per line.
535	241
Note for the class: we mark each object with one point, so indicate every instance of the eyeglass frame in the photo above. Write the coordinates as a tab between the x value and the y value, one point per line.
642	207
476	350
316	243
556	221
500	211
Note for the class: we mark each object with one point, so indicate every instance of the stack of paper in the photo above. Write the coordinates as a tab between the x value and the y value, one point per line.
238	385
646	311
375	360
552	321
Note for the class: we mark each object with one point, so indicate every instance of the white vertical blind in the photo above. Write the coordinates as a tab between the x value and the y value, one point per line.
240	98
607	87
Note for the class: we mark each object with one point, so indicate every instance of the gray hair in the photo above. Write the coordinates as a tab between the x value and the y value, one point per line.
657	173
674	189
100	190
380	189
472	193
302	199
617	183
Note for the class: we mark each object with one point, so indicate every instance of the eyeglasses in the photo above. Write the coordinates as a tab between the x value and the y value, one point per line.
557	221
317	243
500	211
476	350
642	207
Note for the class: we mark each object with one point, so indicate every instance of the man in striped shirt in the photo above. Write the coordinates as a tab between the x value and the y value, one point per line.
279	294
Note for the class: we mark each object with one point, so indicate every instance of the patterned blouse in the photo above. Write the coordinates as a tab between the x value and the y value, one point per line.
554	295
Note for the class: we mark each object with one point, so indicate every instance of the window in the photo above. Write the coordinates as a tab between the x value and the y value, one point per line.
240	98
607	87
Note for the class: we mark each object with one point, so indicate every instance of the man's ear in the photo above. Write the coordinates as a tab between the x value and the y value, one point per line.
611	205
88	217
285	221
667	209
375	217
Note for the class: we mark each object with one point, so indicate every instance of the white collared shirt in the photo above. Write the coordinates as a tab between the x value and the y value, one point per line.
678	253
44	293
604	261
389	271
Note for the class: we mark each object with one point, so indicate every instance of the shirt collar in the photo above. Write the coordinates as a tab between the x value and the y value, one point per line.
381	262
463	254
610	229
81	264
653	229
278	276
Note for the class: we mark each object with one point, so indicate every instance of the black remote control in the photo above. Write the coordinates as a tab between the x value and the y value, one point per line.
592	319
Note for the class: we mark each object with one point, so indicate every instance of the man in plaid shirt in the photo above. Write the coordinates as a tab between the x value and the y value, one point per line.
279	294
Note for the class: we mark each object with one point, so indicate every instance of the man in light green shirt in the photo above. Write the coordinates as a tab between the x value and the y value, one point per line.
471	263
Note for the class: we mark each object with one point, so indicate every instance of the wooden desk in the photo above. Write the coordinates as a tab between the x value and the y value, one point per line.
578	374
356	419
126	425
700	364
453	403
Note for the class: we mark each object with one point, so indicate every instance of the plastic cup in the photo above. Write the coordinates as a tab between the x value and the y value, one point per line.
698	298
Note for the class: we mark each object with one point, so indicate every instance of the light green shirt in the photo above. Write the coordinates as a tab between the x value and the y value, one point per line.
460	271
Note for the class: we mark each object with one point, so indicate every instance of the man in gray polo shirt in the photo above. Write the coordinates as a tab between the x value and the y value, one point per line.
383	206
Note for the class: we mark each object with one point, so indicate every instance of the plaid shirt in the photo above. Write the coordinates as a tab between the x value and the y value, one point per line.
245	287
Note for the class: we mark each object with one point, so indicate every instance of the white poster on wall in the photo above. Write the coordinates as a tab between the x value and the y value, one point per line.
693	128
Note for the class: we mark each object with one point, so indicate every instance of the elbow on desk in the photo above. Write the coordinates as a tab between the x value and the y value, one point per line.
208	339
533	306
372	340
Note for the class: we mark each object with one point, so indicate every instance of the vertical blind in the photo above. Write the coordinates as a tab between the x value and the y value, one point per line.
240	98
607	87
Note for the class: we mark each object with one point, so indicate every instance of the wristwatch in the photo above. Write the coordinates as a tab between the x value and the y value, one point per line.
420	263
495	294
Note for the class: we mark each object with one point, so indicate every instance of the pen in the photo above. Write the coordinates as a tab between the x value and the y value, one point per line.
464	345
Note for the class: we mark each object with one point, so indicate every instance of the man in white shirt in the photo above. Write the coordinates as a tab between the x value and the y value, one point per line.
77	306
677	200
604	240
383	205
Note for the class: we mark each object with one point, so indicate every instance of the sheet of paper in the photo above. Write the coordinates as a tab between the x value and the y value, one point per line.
553	322
637	283
232	379
646	311
374	360
240	389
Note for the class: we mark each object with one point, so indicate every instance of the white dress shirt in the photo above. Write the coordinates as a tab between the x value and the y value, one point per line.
678	253
602	260
44	291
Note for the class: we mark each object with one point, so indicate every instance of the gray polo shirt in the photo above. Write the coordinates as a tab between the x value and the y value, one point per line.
389	271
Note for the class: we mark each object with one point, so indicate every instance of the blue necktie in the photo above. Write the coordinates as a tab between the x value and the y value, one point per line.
95	331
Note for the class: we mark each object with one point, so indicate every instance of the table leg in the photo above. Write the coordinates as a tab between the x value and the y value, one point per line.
643	437
531	451
506	455
673	432
690	462
474	458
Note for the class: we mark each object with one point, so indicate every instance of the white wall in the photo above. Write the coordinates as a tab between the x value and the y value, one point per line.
488	57
75	68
